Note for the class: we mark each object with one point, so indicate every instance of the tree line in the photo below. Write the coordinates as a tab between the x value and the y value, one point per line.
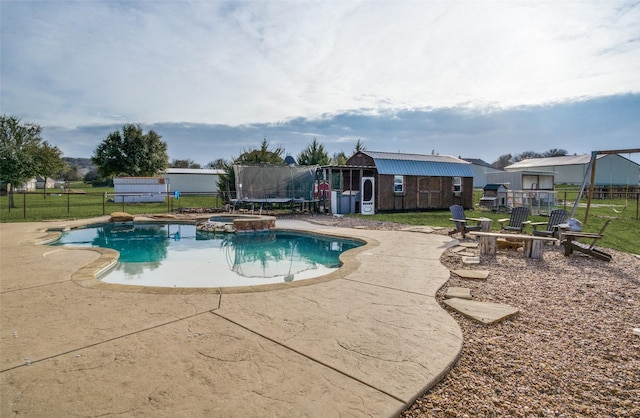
24	154
508	159
132	152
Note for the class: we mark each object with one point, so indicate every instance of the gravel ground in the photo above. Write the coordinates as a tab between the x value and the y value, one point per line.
569	352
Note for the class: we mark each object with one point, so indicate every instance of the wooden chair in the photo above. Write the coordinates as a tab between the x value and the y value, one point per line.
571	243
461	221
556	217
516	220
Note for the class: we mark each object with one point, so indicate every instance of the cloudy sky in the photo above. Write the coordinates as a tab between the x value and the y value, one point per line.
473	78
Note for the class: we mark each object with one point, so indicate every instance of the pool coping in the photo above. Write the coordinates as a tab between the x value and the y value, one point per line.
89	276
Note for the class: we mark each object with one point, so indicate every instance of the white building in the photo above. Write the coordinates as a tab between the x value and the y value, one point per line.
139	189
523	180
36	183
192	180
611	169
480	171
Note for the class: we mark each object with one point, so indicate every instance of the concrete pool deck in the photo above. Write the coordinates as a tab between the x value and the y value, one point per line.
365	344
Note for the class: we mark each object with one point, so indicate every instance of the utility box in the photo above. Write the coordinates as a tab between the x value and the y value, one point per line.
350	201
345	202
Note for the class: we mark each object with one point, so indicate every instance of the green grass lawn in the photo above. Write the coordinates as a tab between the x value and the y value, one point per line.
623	233
85	201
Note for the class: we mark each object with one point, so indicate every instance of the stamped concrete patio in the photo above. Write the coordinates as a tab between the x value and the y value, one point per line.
366	343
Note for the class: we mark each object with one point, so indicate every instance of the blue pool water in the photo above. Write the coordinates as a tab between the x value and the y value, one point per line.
177	255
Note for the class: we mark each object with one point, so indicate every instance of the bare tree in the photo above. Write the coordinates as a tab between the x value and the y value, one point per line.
555	152
503	161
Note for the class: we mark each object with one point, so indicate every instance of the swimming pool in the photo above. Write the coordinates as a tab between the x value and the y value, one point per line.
177	255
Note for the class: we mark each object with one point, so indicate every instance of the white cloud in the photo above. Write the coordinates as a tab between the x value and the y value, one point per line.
77	63
578	127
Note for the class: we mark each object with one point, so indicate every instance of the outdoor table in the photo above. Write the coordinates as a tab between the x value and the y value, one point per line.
532	244
485	224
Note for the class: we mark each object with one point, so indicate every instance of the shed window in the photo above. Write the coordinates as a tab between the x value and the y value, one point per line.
398	184
457	185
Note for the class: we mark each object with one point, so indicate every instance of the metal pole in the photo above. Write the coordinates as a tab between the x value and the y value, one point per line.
351	197
168	196
594	154
593	178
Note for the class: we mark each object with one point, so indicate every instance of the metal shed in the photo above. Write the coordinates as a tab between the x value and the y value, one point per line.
613	169
139	189
523	180
403	182
193	180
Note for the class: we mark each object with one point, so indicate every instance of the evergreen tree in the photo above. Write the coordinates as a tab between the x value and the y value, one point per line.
227	181
339	158
313	154
359	147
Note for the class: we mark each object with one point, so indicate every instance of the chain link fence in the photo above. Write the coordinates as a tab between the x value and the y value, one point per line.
38	206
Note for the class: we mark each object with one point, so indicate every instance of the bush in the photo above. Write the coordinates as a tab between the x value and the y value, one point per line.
100	182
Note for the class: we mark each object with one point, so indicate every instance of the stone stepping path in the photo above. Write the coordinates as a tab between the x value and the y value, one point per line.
466	254
485	312
471	260
458	292
468	244
471	274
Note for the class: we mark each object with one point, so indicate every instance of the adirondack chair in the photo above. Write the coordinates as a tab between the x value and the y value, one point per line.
516	220
571	243
556	217
461	221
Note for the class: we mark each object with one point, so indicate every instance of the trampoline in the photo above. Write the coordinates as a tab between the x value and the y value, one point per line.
260	186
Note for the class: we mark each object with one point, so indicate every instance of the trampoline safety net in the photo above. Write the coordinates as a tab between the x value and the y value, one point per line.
267	182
